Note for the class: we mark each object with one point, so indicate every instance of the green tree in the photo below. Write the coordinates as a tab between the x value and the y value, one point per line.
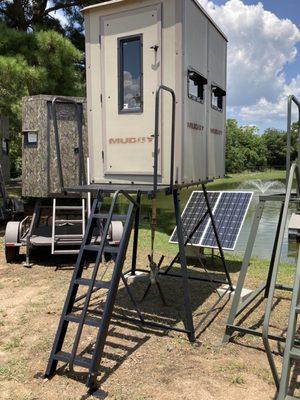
275	143
36	14
42	62
244	148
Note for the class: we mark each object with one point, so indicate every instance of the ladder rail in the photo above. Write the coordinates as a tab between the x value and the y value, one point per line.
109	303
291	99
94	276
71	296
81	172
286	365
66	236
266	323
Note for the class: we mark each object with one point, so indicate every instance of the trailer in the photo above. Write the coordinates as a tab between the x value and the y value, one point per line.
54	152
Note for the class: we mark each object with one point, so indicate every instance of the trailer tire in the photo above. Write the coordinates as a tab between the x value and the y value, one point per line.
116	231
12	249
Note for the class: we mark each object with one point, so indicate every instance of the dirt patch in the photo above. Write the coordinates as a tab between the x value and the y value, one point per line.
138	364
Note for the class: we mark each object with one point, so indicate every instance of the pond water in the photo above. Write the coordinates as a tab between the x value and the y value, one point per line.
268	224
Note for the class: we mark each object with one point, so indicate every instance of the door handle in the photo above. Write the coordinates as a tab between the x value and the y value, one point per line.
155	47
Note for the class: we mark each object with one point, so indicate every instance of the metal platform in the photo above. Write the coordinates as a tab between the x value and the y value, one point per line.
130	188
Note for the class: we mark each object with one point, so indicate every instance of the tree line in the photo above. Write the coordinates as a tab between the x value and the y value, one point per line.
247	150
40	55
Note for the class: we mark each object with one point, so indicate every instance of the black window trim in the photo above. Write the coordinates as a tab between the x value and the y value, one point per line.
203	81
220	92
121	75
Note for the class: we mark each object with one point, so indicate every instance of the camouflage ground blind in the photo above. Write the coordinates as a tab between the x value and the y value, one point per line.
40	169
4	157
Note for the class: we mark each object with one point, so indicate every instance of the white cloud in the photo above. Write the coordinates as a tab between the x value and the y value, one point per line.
260	46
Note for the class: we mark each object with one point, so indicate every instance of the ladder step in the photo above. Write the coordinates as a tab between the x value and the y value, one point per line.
79	360
79	236
115	217
68	221
107	249
55	252
295	353
90	321
71	208
97	284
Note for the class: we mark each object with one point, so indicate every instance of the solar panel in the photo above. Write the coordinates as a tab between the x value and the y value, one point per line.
193	212
229	210
229	214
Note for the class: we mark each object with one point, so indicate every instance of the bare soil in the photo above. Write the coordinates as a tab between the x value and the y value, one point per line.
138	364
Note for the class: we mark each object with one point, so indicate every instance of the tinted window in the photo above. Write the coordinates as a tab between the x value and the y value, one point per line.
130	74
217	96
196	84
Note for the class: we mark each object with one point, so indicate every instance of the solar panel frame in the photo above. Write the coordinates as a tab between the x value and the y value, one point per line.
205	231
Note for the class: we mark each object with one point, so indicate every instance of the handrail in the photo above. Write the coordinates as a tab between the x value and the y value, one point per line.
266	323
156	136
291	99
81	175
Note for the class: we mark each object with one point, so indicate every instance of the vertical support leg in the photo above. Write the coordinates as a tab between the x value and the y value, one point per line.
217	236
273	253
136	234
189	325
244	270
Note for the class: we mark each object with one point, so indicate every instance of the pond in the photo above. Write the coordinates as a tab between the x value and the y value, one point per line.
268	224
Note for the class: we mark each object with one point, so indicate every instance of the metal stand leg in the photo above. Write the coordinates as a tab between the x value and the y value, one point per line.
242	276
187	300
136	234
217	237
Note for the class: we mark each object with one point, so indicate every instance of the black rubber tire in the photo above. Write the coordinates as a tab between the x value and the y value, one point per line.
12	254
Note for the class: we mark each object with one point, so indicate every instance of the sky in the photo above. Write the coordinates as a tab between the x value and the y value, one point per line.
263	57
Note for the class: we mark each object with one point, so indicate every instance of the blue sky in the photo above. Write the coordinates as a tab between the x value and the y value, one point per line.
263	57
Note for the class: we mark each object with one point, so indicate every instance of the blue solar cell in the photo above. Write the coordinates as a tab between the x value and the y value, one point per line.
229	209
192	214
229	217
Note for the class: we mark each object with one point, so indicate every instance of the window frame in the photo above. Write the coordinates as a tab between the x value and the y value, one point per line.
215	87
29	144
204	83
121	40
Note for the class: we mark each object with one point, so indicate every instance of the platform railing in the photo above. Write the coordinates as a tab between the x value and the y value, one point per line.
156	137
291	99
79	113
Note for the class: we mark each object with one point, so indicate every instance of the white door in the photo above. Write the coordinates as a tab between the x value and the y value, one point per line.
131	65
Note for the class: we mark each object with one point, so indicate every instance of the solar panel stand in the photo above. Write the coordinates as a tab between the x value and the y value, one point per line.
271	284
209	213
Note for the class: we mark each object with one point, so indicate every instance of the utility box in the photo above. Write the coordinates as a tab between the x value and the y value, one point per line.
132	47
41	151
4	153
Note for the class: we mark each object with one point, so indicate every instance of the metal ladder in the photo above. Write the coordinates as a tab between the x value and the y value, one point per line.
93	284
66	239
292	350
